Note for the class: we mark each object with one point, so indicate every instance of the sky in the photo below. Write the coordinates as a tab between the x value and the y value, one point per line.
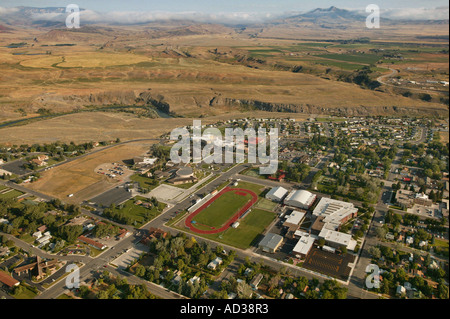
232	11
214	6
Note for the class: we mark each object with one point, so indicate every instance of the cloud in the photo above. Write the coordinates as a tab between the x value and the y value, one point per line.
439	13
6	11
133	17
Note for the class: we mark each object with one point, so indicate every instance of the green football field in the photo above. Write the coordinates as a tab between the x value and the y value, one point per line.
221	210
247	233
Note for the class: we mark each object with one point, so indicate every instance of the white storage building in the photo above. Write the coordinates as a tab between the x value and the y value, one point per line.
276	194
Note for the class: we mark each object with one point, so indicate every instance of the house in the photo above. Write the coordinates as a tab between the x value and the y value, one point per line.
390	236
216	262
194	280
38	162
4	251
177	277
409	240
256	281
42	229
423	243
153	233
37	235
400	290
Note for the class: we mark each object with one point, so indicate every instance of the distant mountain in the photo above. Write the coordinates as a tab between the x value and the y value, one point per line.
331	15
4	28
53	17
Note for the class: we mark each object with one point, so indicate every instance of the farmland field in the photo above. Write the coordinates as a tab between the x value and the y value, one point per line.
356	58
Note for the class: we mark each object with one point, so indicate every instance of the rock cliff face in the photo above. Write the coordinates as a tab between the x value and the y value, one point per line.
168	104
341	111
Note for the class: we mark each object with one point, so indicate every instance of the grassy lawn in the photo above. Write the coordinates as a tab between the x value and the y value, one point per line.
10	194
254	172
441	243
25	293
64	296
246	235
139	213
183	186
144	182
222	209
95	252
258	189
27	238
266	204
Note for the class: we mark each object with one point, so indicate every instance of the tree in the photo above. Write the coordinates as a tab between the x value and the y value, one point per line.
375	252
244	291
321	242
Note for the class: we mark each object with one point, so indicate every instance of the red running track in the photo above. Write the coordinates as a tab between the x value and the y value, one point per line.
235	217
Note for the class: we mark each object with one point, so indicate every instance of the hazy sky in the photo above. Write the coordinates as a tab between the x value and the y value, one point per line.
211	6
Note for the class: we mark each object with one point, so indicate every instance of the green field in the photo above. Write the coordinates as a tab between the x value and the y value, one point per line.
140	214
144	182
247	234
266	204
24	292
342	65
10	194
354	58
222	209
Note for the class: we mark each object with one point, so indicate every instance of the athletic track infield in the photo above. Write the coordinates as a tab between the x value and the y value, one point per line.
235	217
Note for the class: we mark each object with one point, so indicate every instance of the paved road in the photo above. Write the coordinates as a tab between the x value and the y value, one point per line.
92	265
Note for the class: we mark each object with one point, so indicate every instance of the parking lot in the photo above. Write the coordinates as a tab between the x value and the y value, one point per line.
114	196
127	257
329	263
16	167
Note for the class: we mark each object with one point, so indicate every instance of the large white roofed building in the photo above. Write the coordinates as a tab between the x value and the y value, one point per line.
300	198
334	212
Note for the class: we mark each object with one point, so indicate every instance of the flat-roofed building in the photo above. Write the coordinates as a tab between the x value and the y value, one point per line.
293	221
303	246
334	212
276	194
270	243
337	239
